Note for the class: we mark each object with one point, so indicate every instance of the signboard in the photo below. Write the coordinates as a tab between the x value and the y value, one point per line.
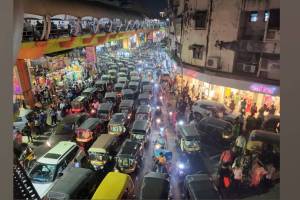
263	89
16	82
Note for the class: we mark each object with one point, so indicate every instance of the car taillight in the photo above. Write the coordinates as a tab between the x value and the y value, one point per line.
86	134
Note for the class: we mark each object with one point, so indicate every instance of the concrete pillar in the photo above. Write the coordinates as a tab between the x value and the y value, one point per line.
25	82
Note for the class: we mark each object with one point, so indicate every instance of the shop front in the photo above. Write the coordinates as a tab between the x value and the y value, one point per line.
133	41
225	90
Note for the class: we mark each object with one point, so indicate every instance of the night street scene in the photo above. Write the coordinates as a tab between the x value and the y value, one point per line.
147	99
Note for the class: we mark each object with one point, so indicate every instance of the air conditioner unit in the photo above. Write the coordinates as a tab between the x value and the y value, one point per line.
213	62
273	35
249	68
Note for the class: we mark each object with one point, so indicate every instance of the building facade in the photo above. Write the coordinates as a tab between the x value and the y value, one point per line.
238	40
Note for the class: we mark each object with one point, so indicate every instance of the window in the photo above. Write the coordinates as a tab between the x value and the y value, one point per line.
253	16
198	52
200	19
267	16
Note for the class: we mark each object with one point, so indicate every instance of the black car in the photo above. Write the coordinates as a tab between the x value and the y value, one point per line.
65	130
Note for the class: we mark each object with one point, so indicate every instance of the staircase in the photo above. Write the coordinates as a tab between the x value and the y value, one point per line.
23	188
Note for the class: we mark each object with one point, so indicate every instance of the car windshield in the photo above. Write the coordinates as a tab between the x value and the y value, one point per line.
142	116
125	162
97	156
138	136
115	128
191	143
42	173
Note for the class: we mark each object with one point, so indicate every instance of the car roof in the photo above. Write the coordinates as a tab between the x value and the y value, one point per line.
110	94
90	123
139	124
129	147
216	122
69	182
144	95
133	83
102	142
143	109
105	106
112	186
188	131
200	187
127	91
155	186
54	155
126	103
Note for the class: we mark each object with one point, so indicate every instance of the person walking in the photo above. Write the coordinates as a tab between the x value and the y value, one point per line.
53	115
243	106
237	176
232	105
27	132
272	110
253	109
240	144
18	138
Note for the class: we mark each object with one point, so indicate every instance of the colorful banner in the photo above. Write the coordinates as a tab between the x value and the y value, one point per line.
16	82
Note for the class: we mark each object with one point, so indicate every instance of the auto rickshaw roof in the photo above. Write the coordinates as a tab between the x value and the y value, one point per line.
112	186
99	81
122	85
72	118
155	186
90	123
105	106
126	103
79	98
127	91
134	78
134	83
90	90
148	86
140	124
102	142
144	95
129	148
110	94
200	187
122	79
188	131
69	182
264	136
143	109
117	118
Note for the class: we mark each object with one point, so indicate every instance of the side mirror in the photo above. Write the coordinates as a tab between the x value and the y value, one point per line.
60	174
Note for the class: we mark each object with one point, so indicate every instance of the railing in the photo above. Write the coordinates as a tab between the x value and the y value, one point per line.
75	28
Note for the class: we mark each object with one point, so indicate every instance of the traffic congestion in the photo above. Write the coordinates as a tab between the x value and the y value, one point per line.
131	132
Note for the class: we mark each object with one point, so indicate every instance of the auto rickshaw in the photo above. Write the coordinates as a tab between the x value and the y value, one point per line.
103	150
88	132
134	73
78	104
115	186
112	98
105	77
148	89
118	124
118	89
101	86
135	79
140	131
124	70
127	94
113	74
144	112
123	80
144	99
127	107
105	111
188	138
134	86
90	93
129	157
155	186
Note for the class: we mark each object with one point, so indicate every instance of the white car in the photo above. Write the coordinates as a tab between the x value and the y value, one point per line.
207	108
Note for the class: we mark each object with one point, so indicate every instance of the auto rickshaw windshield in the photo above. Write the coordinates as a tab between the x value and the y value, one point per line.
191	143
125	162
97	156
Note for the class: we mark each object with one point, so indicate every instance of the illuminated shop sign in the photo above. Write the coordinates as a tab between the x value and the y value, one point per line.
263	89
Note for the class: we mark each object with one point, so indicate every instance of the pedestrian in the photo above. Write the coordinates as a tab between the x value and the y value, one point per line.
232	105
53	115
240	144
237	176
253	109
27	132
243	106
19	137
257	175
272	110
236	128
37	125
250	123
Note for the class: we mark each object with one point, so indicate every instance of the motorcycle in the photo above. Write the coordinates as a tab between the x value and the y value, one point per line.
182	166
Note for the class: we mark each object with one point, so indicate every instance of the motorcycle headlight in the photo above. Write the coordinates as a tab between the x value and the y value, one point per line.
157	146
158	120
181	122
180	166
48	143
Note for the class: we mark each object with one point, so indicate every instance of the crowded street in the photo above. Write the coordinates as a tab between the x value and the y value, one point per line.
118	114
